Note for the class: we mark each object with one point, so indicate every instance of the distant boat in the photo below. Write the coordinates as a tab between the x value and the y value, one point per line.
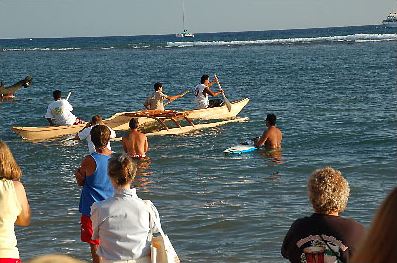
185	33
391	20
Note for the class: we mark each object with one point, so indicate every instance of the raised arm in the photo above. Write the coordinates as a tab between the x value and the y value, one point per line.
23	218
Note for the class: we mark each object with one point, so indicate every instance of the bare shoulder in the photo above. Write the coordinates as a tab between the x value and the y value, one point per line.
19	186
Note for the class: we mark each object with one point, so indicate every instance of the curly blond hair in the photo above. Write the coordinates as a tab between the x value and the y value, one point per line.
328	191
9	169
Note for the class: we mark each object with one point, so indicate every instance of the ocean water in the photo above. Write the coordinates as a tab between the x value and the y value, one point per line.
333	90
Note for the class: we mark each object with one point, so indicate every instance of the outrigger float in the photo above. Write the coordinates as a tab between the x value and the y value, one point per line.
147	122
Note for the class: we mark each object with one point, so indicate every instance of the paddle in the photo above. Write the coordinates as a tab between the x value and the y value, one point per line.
70	93
227	102
181	95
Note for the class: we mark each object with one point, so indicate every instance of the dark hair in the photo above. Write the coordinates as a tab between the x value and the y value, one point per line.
134	123
100	136
204	78
271	119
157	86
121	169
56	94
96	119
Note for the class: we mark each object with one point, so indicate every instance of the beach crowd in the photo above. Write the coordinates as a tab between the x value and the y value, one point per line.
118	226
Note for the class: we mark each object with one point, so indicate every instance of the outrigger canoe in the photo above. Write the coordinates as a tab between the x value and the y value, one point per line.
119	121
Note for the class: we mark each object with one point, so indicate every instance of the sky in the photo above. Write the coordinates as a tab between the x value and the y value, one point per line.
74	18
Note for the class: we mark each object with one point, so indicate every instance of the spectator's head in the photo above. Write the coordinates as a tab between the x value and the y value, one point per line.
204	78
158	86
133	123
121	169
9	169
100	136
57	94
328	191
381	238
96	119
271	119
54	258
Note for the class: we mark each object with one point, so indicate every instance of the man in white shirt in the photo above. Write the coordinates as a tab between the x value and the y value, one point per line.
59	112
202	91
85	134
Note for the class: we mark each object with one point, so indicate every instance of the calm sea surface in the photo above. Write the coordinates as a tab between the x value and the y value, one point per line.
333	90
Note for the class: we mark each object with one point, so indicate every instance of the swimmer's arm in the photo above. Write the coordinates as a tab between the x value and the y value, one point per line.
262	139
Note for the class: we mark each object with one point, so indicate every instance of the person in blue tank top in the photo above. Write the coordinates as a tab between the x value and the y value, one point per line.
92	175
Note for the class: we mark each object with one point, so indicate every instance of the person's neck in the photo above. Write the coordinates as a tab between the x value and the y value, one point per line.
123	187
104	151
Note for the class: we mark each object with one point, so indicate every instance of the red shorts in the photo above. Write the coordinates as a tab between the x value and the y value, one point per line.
10	260
86	230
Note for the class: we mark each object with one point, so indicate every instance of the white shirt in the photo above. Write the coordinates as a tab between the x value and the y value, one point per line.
60	111
122	224
85	134
201	98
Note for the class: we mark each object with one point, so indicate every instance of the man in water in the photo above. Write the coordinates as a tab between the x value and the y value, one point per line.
135	144
202	91
85	134
8	92
272	137
156	100
59	112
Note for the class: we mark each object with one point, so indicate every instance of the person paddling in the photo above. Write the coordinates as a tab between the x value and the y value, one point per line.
59	112
202	91
156	100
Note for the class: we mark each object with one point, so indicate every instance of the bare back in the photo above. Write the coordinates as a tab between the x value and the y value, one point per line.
135	144
271	138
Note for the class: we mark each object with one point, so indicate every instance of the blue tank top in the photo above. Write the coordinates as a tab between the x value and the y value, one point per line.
97	187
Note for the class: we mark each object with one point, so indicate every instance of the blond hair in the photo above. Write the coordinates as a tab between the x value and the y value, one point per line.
121	169
380	243
328	191
9	169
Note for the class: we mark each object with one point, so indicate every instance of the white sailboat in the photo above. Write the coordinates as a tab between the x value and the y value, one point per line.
184	33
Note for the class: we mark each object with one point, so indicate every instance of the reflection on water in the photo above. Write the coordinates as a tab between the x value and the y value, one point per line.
143	173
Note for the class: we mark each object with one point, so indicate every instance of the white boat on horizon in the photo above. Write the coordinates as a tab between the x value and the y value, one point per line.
391	20
184	33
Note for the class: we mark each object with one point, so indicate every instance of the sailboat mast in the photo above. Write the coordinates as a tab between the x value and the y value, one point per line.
183	15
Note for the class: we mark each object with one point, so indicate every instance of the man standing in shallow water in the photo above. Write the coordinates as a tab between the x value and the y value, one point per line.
135	144
272	137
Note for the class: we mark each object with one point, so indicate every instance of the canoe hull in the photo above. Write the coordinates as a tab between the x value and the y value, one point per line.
119	121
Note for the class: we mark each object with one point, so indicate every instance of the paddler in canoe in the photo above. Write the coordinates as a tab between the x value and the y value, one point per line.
8	92
59	112
202	91
156	100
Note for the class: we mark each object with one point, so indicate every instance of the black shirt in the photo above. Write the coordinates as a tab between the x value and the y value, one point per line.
342	235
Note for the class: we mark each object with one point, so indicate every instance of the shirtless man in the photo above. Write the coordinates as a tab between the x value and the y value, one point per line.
135	144
272	137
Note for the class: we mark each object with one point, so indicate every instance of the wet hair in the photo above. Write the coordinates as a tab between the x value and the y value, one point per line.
133	123
9	169
96	119
121	169
271	119
100	136
57	94
204	78
157	86
380	242
328	191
